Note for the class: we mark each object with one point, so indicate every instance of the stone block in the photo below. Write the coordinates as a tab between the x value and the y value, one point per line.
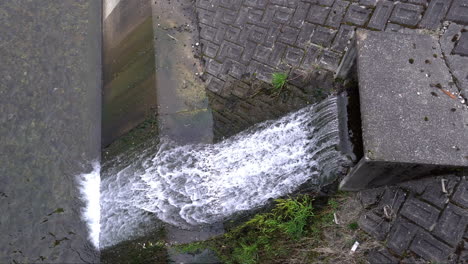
392	199
344	35
206	17
401	117
337	13
215	85
368	2
461	194
230	4
325	2
293	56
371	197
421	213
229	50
262	53
434	193
323	36
430	248
304	39
233	68
406	14
456	62
213	67
330	60
232	33
257	34
358	15
381	256
283	14
249	50
256	3
208	33
277	54
210	49
374	225
300	14
462	45
401	235
459	12
381	15
318	14
311	57
434	14
452	225
288	35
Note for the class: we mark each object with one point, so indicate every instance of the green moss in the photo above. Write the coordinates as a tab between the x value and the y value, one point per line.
150	249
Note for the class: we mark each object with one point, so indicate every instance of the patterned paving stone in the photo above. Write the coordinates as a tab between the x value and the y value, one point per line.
288	35
461	194
345	33
421	213
406	14
305	36
368	2
381	15
293	56
371	197
311	57
459	12
452	224
430	248
300	14
391	201
435	13
379	256
401	235
330	60
462	46
374	225
337	13
434	193
323	36
357	15
318	14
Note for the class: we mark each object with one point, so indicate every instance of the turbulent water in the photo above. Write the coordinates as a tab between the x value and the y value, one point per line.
200	184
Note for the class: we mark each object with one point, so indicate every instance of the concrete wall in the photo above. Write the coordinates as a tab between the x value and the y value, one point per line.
129	92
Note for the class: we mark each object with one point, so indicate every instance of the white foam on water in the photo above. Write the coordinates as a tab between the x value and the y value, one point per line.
193	185
89	185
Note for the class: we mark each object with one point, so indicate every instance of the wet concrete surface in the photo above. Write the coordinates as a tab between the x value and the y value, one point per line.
182	103
49	127
129	92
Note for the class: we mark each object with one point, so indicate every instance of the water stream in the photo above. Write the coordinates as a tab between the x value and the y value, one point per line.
192	185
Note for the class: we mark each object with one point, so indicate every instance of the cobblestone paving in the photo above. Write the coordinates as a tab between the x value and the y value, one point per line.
242	40
418	220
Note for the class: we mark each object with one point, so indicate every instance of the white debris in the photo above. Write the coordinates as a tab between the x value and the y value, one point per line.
354	248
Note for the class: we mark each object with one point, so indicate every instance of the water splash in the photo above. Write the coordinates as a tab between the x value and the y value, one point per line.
202	184
89	185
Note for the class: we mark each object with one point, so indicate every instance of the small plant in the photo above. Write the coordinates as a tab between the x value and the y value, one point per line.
279	80
353	226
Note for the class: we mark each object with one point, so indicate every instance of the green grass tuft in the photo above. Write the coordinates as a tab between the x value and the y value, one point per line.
279	80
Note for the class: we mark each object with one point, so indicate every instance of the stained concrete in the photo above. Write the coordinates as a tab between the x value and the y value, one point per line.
50	105
129	93
412	121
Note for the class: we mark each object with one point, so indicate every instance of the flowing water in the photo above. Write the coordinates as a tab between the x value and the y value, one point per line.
193	185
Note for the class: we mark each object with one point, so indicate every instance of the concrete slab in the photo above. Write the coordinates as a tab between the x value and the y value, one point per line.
412	121
50	124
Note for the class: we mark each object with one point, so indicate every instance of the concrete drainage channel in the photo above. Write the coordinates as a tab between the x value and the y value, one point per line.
151	69
414	90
